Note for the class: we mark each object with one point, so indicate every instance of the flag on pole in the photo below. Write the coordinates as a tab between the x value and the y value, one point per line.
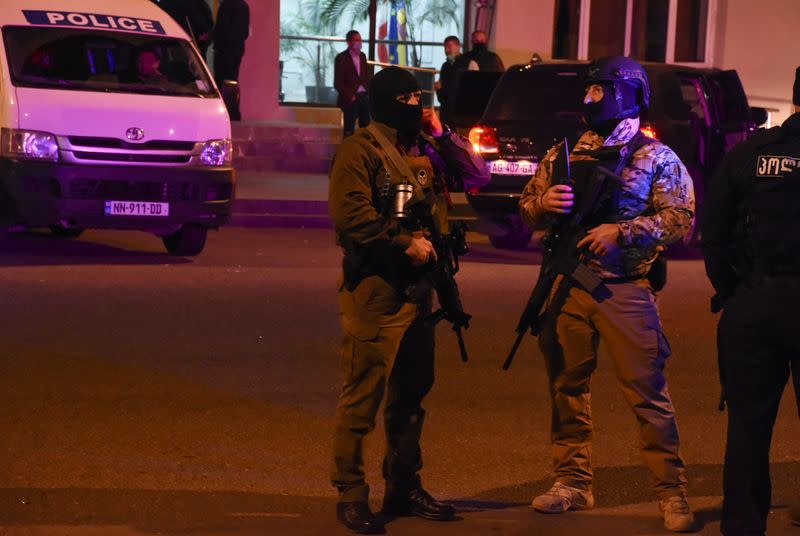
398	31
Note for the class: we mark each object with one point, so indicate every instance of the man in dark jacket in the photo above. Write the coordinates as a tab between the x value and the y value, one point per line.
448	77
480	57
751	236
351	76
194	16
230	33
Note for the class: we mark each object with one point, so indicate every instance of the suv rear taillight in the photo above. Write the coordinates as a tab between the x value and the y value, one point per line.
649	130
484	140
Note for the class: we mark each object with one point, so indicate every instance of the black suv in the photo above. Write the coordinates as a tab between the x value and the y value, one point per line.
699	113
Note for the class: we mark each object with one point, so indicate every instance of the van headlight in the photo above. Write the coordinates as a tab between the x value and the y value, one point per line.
217	153
29	144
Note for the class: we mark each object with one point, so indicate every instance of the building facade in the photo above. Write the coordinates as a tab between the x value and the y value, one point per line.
755	38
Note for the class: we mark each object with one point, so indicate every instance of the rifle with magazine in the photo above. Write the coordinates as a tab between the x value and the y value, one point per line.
414	213
561	255
449	247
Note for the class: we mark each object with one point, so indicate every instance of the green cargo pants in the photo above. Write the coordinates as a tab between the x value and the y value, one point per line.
627	325
386	348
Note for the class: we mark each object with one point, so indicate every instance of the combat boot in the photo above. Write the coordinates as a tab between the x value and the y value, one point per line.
401	501
357	517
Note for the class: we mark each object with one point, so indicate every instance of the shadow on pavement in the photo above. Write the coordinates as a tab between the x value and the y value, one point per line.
168	511
620	486
43	249
176	512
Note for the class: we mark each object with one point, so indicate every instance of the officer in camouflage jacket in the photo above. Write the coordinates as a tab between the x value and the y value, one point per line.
655	207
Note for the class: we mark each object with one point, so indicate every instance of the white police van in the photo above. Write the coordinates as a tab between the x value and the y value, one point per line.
109	118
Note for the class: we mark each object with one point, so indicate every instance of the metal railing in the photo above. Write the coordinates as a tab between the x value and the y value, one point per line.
343	40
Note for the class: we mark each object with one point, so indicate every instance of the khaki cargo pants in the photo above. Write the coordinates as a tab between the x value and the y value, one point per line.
627	326
386	348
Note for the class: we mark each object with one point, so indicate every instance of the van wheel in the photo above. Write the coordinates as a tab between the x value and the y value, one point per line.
513	238
66	232
187	241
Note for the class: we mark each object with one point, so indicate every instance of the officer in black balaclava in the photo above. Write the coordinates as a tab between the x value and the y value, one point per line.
394	100
388	344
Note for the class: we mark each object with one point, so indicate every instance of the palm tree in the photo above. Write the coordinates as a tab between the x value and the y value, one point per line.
316	56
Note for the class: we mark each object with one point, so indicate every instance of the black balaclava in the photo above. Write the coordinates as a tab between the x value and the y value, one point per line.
796	94
384	106
604	116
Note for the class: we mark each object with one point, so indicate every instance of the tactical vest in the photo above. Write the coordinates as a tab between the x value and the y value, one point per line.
392	265
416	171
772	222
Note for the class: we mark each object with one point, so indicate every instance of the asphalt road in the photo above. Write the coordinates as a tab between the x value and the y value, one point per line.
147	394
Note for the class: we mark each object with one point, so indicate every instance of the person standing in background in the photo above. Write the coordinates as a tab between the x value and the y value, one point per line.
194	16
351	78
480	57
230	34
448	77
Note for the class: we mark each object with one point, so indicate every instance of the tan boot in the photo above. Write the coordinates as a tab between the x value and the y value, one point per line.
678	516
561	498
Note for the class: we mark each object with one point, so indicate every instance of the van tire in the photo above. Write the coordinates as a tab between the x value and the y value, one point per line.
66	232
187	241
514	238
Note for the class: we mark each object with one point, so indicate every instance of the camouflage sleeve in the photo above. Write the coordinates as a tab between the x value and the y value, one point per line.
672	202
350	203
530	203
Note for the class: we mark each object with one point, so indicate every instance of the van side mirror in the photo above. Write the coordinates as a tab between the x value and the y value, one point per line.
759	115
230	96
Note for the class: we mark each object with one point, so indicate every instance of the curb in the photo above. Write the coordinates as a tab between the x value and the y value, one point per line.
286	213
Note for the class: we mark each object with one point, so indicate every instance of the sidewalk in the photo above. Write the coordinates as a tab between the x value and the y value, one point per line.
286	199
280	199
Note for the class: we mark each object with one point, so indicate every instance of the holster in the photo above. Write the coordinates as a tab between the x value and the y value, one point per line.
657	276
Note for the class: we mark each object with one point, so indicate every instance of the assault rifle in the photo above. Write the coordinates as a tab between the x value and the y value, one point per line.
449	247
561	254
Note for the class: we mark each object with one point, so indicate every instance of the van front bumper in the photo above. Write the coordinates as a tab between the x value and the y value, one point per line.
51	193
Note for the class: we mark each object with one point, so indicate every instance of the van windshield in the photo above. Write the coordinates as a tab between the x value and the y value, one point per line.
68	58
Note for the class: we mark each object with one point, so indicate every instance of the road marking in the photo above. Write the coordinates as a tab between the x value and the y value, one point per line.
264	514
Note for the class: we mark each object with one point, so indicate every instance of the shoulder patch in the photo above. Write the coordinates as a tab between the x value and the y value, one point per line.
771	166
